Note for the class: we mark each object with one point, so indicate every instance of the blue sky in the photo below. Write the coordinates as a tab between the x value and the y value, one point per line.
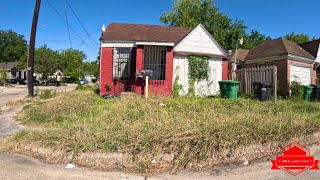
273	17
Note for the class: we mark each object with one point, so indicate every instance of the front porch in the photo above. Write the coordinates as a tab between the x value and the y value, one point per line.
121	66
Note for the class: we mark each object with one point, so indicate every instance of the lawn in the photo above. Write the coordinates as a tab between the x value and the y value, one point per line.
192	131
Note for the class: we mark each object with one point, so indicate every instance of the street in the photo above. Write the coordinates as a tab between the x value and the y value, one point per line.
21	167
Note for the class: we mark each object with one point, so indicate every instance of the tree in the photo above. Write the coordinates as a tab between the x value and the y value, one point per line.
297	38
46	61
12	46
254	39
91	68
190	13
71	63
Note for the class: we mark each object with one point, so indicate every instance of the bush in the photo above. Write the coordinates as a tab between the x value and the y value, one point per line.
296	90
3	78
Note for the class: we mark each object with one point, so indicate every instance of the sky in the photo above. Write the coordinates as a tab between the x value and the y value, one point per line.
274	18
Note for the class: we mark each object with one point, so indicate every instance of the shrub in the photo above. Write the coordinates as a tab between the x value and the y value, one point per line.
296	90
3	78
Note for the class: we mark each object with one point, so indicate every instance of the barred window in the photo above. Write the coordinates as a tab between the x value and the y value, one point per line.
121	63
155	60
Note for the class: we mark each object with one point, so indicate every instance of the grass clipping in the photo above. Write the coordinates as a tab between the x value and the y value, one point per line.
157	134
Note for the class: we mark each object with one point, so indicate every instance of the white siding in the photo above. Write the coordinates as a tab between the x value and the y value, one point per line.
203	88
300	74
199	41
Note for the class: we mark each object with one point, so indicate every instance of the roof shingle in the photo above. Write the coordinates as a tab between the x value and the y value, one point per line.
241	54
146	33
8	65
312	47
280	46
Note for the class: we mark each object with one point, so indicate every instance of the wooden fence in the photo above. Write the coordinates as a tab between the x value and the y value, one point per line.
248	76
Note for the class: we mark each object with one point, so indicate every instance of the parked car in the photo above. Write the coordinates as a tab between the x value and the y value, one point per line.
18	81
84	82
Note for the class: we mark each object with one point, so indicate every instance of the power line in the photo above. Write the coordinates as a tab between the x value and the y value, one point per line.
56	11
66	16
85	30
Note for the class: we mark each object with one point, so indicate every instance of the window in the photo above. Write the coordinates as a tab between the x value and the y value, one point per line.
121	63
155	60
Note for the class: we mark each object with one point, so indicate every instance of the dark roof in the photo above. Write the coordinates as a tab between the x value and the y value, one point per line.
8	65
312	47
241	54
280	46
147	33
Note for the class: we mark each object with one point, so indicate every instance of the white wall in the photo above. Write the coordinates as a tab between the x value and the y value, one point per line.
199	41
203	88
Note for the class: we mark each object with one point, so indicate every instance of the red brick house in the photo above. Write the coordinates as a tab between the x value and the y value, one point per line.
293	62
127	49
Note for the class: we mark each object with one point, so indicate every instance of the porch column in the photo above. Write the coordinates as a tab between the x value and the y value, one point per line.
139	66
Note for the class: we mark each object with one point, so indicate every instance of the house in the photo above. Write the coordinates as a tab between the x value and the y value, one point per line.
12	71
293	62
313	47
127	49
237	59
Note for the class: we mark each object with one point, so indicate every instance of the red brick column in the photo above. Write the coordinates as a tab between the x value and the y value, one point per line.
169	72
106	68
139	66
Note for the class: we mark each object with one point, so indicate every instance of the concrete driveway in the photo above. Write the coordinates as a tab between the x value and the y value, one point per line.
18	92
8	125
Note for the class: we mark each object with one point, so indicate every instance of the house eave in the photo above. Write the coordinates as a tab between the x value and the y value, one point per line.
134	43
280	57
186	53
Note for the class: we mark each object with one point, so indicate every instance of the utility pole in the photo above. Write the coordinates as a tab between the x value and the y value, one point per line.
32	47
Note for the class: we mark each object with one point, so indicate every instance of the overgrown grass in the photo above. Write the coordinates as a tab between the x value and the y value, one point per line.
194	129
47	94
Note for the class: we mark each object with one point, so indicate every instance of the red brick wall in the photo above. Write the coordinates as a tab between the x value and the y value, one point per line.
225	69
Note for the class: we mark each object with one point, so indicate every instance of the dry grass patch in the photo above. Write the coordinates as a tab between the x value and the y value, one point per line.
182	133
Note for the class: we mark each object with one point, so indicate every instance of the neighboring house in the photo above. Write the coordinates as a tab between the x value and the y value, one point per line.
293	62
12	71
237	59
126	49
313	47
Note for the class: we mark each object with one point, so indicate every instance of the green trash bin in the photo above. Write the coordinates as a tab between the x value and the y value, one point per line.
229	89
307	92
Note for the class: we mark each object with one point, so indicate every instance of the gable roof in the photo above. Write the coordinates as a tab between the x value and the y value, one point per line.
8	65
241	54
312	47
280	46
145	33
200	42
